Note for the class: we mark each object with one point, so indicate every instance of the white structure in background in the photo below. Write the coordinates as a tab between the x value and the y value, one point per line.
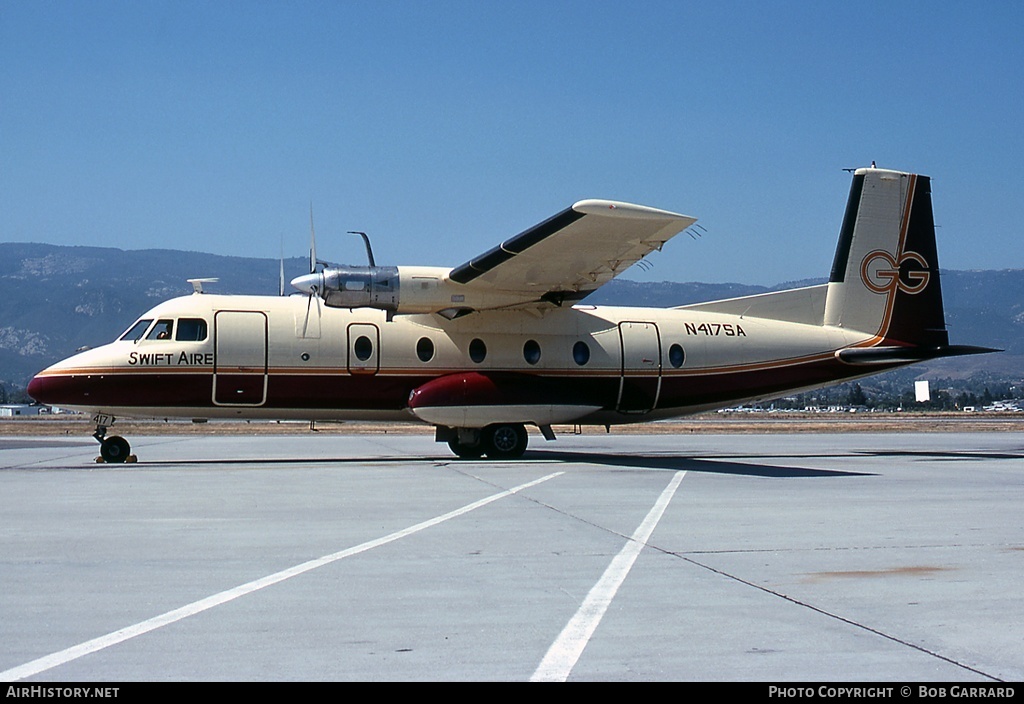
11	410
921	392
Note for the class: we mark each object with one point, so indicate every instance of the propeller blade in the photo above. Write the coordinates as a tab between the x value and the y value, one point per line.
312	241
280	281
313	293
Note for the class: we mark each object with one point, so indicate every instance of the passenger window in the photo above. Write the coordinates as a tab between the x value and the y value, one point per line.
531	352
161	331
581	353
477	350
425	349
135	332
676	356
363	348
191	330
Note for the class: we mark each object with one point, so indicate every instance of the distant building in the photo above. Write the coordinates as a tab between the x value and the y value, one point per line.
10	410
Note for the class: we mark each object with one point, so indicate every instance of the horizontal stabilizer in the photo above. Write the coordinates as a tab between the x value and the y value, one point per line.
888	355
798	305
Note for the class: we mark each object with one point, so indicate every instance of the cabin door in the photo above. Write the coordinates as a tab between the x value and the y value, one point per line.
363	348
240	359
640	382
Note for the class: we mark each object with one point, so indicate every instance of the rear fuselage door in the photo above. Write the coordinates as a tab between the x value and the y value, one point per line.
240	359
640	383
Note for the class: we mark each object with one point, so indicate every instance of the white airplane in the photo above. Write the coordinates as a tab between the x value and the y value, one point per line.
482	350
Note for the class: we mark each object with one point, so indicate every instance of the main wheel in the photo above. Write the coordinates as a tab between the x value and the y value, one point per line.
466	452
115	449
505	441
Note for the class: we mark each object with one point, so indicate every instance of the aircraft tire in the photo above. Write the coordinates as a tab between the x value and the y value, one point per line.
505	441
466	452
115	449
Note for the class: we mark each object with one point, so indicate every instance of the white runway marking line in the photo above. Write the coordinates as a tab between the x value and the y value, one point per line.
73	653
567	648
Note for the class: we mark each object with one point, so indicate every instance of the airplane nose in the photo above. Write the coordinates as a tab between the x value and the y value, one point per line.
308	283
36	388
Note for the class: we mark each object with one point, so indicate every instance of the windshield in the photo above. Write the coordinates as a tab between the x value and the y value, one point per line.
183	330
135	332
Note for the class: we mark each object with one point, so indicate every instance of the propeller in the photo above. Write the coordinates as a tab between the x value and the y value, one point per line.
312	242
309	304
311	283
280	280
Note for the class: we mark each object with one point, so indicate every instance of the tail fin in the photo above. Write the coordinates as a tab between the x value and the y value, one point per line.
885	277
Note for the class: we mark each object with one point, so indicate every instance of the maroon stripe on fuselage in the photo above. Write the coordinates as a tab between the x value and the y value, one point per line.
384	392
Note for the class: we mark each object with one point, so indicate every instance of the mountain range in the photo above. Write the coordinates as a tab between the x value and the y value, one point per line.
55	299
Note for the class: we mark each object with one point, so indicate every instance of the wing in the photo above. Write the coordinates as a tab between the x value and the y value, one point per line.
568	256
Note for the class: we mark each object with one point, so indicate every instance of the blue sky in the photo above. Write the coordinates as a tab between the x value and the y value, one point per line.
442	128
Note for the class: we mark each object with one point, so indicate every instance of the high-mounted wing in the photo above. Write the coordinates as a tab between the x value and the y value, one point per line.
568	256
559	261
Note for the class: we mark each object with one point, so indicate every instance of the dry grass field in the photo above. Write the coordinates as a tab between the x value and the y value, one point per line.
712	423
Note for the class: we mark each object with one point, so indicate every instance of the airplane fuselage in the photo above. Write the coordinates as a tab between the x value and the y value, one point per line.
273	357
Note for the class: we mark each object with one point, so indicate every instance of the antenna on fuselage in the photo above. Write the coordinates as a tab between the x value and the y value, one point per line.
197	284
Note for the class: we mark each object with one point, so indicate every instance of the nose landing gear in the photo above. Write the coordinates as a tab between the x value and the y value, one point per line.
114	449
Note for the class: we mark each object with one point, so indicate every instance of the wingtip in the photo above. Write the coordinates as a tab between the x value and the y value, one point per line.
613	208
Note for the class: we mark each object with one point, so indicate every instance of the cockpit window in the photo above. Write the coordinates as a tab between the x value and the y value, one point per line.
161	331
135	332
191	330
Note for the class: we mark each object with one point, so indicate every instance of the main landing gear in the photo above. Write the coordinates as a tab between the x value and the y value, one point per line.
113	449
501	441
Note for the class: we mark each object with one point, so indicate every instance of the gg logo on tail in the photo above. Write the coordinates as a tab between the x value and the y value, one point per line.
880	272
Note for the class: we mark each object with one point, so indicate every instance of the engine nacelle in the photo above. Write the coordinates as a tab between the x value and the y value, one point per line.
361	287
354	286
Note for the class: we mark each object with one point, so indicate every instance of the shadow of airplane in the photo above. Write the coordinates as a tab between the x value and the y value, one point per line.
668	463
720	464
673	463
682	463
946	455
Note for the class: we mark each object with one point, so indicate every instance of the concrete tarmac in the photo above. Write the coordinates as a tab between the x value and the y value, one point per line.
777	558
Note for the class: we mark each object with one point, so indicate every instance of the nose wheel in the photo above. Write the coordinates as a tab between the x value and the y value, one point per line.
113	449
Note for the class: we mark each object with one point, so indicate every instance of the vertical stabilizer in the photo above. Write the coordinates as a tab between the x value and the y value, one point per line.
885	276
